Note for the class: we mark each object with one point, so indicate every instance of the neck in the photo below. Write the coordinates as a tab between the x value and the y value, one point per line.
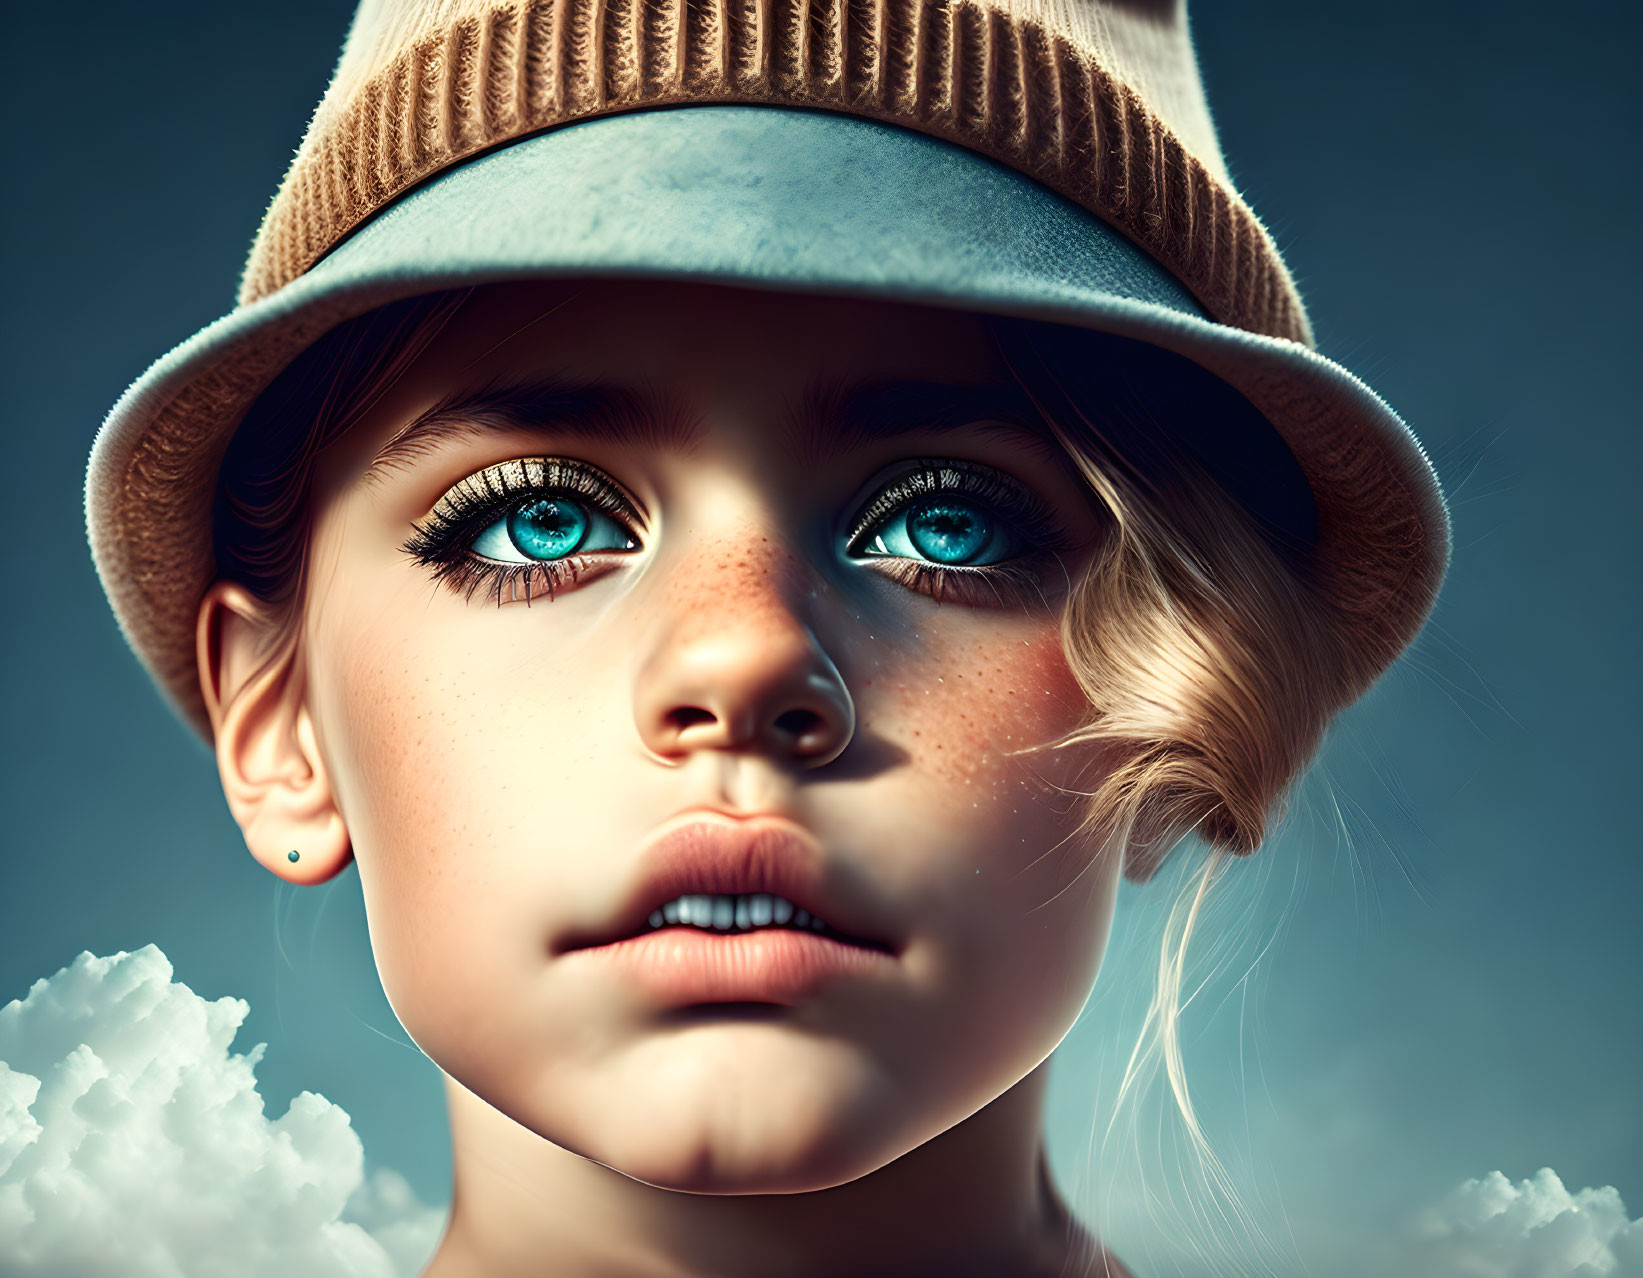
976	1200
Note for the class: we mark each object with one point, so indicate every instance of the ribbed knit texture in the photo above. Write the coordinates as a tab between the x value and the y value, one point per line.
1100	102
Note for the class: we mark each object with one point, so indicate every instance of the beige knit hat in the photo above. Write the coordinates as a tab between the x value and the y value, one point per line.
1097	102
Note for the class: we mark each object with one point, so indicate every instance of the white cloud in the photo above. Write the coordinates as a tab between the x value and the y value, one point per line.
1491	1228
134	1143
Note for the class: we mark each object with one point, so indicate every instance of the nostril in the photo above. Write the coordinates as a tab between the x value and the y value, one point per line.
682	717
796	723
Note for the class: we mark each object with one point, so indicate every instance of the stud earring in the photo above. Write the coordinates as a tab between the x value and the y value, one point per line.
295	856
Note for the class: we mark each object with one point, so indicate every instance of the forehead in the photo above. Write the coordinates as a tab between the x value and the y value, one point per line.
669	364
699	338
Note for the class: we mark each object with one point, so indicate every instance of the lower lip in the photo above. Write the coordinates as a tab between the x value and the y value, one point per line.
684	965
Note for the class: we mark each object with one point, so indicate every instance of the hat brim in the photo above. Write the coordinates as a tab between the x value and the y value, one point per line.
760	197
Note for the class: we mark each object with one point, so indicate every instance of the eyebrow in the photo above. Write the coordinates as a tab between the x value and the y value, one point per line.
829	418
613	414
834	419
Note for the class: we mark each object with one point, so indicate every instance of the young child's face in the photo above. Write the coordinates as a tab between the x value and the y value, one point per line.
730	641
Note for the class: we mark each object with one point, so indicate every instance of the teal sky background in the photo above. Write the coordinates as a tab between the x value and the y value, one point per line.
1448	925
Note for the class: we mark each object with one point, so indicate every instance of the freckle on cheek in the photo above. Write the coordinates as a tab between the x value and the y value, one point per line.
962	712
391	727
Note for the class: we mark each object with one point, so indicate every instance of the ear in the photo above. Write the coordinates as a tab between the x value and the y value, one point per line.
273	776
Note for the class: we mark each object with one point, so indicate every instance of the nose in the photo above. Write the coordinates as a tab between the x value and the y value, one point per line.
735	665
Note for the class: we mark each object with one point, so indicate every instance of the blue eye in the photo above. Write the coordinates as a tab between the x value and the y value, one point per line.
945	530
548	528
524	529
960	530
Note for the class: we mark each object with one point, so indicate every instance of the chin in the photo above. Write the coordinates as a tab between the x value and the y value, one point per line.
712	1165
749	1132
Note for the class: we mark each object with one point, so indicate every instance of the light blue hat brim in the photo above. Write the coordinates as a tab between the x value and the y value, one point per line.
762	197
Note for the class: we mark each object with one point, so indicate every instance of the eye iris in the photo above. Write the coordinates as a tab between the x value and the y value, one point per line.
547	528
947	531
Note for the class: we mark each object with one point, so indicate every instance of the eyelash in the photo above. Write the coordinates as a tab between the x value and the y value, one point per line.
1014	580
443	541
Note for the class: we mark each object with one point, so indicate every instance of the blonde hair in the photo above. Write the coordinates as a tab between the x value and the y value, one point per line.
1211	662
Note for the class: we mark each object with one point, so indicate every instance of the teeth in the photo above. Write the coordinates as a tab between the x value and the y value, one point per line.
734	913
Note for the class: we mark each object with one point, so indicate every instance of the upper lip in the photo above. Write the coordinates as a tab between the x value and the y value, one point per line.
713	854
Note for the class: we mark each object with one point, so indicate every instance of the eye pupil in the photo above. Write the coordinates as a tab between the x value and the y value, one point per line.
947	531
547	528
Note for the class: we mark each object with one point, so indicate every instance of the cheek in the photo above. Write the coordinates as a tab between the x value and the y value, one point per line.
982	844
999	821
450	717
997	818
457	775
960	708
